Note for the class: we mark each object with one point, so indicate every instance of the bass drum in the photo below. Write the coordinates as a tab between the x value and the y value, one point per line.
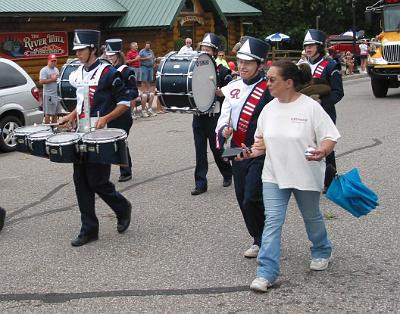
187	82
66	92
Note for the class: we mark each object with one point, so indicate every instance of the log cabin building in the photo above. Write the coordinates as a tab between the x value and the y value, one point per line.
31	29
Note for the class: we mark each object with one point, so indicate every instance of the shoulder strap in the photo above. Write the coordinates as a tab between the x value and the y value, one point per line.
122	67
239	136
320	68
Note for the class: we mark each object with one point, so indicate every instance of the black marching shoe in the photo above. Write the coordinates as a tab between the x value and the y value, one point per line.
124	221
197	191
124	178
2	217
82	240
227	182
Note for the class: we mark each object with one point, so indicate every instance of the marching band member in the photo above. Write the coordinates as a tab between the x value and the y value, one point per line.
244	100
204	126
108	101
328	70
116	57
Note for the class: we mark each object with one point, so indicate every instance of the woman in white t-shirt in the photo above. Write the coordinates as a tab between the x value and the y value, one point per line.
288	125
363	55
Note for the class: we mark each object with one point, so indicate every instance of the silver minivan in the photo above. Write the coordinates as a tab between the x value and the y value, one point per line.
19	102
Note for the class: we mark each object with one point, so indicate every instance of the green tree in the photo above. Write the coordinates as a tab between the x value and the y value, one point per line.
293	17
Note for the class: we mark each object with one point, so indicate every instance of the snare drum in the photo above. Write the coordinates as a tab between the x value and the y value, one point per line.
106	146
37	142
187	82
63	147
21	136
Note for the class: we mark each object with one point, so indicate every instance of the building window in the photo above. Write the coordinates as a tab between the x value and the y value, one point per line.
188	6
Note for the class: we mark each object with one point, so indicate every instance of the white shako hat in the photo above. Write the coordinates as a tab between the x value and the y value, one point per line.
253	49
211	40
314	36
86	38
113	46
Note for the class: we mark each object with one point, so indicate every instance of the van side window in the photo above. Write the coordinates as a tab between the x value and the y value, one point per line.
13	77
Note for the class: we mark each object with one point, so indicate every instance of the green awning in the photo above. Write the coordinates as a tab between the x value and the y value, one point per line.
16	8
148	13
237	8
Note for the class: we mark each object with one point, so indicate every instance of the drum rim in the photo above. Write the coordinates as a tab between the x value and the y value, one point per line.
43	137
103	140
72	141
19	133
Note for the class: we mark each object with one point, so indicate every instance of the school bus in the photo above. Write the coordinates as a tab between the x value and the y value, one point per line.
384	57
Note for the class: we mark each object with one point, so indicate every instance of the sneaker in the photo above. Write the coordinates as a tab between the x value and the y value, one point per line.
151	113
319	263
252	252
134	116
145	114
260	284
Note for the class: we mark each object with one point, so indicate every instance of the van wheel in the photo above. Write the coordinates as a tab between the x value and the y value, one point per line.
7	127
379	87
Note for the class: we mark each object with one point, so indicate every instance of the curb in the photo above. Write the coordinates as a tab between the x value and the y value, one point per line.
354	76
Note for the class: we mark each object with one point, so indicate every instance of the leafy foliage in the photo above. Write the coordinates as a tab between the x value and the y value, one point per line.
293	17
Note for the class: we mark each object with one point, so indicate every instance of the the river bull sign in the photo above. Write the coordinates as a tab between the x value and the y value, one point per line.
31	45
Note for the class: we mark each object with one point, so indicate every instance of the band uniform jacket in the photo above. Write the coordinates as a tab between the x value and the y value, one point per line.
236	93
104	97
332	75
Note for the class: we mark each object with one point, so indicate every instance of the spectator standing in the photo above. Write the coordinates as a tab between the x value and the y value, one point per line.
133	60
328	70
48	78
363	55
187	47
147	59
349	61
221	59
289	124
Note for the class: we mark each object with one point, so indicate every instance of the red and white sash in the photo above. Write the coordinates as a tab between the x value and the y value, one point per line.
239	136
94	80
320	68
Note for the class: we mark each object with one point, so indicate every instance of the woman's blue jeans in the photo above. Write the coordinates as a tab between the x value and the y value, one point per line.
275	202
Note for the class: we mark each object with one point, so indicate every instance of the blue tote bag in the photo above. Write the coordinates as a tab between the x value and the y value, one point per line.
349	192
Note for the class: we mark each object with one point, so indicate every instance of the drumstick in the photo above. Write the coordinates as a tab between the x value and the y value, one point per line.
229	123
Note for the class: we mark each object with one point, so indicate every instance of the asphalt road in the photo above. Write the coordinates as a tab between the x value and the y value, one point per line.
184	254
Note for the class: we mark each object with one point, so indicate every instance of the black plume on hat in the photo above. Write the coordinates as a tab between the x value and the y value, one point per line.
86	38
113	46
253	49
211	40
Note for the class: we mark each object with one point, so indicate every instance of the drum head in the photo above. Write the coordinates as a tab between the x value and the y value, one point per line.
41	135
61	139
104	136
29	129
65	90
204	82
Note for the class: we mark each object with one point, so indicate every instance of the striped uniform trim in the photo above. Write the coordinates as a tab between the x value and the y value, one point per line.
320	69
239	136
